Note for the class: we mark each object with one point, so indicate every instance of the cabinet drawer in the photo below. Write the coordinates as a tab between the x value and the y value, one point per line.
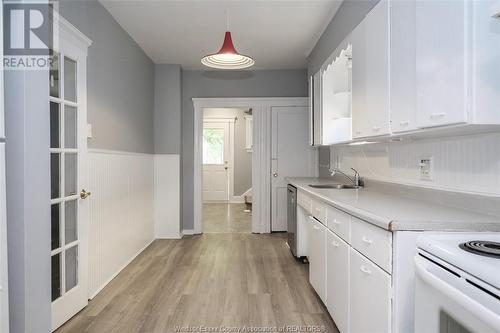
369	296
319	211
373	242
339	222
304	201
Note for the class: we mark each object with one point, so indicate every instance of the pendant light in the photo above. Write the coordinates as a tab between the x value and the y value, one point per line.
227	57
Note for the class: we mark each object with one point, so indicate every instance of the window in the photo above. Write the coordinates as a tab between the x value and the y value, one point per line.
213	146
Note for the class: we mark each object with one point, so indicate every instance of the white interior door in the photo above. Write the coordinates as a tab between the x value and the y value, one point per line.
216	161
291	156
68	169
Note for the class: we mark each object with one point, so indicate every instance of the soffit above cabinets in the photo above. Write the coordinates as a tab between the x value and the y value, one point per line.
277	34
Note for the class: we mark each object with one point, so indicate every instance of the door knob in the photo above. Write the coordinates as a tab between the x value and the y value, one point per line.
84	194
275	174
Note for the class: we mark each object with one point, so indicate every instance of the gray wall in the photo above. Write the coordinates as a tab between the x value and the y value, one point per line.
167	106
120	81
349	15
242	158
28	200
264	83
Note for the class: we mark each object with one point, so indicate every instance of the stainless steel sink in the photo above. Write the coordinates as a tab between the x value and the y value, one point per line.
334	186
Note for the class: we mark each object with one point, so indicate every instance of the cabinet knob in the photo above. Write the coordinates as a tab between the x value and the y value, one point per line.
365	270
367	241
437	115
84	194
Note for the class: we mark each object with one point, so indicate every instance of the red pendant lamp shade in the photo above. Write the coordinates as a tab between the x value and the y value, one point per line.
227	57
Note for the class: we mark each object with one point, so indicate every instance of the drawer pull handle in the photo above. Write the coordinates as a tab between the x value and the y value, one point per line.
315	227
366	240
336	222
365	270
376	129
335	244
437	115
318	209
404	123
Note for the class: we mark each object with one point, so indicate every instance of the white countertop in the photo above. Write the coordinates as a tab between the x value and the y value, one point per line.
395	212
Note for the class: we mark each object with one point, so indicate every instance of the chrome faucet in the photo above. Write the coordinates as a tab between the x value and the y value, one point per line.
357	181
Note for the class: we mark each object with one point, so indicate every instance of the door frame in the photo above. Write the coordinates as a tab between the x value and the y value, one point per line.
230	175
261	156
74	44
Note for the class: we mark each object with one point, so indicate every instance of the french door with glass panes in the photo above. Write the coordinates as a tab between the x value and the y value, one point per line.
68	168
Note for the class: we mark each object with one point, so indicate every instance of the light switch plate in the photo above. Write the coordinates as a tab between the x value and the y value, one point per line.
426	168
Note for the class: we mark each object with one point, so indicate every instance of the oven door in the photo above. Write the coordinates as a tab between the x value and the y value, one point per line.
446	300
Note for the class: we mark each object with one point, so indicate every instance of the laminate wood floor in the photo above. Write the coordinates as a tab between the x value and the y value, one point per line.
226	218
209	280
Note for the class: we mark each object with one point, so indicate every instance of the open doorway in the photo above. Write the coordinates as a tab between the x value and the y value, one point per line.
227	170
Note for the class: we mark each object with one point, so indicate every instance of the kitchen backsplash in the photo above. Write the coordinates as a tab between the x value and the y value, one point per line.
469	164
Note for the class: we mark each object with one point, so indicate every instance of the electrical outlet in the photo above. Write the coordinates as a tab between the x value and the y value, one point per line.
89	131
426	168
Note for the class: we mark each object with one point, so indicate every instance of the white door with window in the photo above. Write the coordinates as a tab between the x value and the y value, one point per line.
216	161
291	157
68	172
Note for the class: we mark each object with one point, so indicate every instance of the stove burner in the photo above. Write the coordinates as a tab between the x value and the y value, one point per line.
482	248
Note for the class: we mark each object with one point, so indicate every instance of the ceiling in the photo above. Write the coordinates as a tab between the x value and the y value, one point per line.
278	34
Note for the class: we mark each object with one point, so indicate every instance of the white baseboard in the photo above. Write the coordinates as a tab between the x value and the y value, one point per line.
187	232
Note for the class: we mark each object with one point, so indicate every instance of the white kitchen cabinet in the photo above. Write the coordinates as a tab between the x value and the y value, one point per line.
369	296
370	74
316	108
337	280
403	74
441	62
317	257
444	66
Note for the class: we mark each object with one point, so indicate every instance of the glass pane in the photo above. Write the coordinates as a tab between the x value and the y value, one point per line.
70	221
71	268
69	127
54	175
54	75
55	225
54	125
69	80
70	174
56	276
213	146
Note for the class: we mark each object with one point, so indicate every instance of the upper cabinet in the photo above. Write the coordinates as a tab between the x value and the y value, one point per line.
445	67
370	74
409	67
331	103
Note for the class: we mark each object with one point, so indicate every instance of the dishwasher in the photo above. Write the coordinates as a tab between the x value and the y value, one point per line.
291	216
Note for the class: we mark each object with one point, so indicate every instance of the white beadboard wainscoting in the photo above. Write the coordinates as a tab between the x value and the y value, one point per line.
121	212
167	196
467	164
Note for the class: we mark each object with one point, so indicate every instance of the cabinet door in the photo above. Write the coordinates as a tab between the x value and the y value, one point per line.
403	71
317	258
441	61
337	280
370	74
369	296
317	109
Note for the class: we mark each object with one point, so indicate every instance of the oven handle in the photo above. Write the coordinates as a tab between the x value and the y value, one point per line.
478	310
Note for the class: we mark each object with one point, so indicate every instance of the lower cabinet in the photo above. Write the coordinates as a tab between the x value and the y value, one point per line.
369	296
317	258
337	280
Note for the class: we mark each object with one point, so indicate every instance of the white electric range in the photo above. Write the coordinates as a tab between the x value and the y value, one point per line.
458	283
